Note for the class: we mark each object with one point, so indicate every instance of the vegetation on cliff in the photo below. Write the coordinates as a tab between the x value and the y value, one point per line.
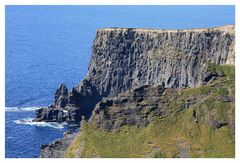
200	123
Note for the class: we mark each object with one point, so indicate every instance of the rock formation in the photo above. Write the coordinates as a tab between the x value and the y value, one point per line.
131	73
154	121
141	106
123	59
61	97
126	58
58	148
134	108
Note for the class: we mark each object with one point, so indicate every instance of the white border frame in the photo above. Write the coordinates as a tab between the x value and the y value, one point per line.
111	2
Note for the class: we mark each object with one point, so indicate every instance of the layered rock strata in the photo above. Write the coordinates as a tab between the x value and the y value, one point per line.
126	58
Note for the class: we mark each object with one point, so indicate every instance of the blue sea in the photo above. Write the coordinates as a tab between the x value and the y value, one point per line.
50	45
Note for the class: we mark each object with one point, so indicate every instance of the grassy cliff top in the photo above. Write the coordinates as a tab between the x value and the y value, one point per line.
225	28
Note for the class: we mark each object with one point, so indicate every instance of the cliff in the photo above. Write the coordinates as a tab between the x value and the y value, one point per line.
152	121
130	65
124	58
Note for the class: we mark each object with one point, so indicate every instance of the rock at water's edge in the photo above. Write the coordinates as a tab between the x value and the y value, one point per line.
58	148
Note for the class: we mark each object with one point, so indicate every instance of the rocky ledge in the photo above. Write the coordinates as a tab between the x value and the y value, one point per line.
155	121
57	148
142	106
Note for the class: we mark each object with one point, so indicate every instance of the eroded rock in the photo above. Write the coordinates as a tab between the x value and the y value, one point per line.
57	148
61	97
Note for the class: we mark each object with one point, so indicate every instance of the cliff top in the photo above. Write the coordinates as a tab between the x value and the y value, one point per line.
225	28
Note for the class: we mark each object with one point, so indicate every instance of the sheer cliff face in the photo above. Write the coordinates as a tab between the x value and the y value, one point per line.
123	59
140	74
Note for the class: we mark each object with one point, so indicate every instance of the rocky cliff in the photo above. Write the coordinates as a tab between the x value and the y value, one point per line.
153	121
138	77
125	58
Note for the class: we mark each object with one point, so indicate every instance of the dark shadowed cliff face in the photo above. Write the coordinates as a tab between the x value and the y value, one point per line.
126	58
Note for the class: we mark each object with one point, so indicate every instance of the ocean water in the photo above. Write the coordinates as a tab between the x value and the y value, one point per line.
50	45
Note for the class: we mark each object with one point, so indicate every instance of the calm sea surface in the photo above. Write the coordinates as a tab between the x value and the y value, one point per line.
49	45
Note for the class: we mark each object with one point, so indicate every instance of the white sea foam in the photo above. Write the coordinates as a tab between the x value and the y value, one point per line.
18	109
29	121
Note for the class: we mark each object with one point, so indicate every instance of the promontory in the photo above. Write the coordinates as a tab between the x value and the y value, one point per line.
152	93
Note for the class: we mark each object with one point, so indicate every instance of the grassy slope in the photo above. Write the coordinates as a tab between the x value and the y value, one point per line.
178	135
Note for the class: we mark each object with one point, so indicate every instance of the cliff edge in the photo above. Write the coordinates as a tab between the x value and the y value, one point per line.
124	58
128	59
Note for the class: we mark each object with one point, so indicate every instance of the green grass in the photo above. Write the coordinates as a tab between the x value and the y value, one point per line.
226	70
166	135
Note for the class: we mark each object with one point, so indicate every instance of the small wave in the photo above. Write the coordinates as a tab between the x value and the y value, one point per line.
9	137
18	109
29	121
